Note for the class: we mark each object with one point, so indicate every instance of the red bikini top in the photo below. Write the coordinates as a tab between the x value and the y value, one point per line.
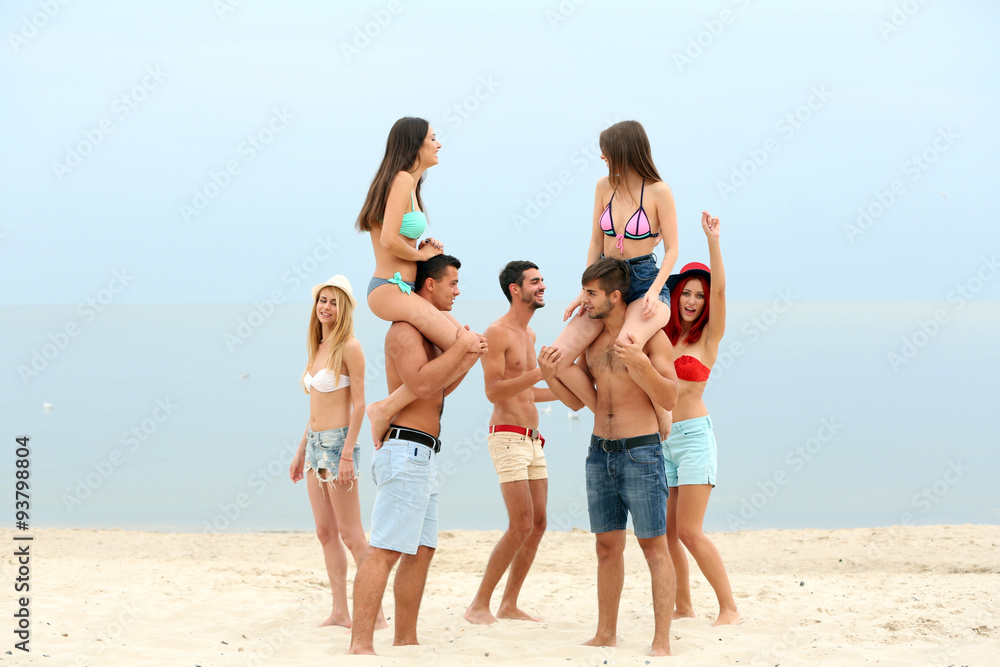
690	369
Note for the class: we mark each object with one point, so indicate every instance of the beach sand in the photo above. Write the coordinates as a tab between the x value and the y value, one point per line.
896	596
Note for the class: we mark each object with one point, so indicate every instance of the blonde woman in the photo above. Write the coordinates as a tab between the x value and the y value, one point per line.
329	451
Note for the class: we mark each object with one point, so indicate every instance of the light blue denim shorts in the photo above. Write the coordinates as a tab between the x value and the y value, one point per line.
323	451
689	453
405	514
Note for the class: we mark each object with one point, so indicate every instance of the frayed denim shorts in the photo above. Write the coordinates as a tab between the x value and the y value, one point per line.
323	450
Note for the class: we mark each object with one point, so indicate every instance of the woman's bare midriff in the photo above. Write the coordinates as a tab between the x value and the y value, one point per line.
329	410
689	401
387	264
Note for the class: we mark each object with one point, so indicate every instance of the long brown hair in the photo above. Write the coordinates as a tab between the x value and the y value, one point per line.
343	331
402	149
626	147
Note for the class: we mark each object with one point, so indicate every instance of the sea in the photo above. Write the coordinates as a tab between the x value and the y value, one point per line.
185	417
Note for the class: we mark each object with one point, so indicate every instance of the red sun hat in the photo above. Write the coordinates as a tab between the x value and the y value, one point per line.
691	270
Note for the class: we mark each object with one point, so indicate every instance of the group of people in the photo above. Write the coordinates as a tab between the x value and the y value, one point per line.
637	352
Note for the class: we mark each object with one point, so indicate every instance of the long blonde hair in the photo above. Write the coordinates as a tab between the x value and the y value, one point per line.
343	331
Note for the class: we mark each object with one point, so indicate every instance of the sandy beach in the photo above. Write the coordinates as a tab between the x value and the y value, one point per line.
896	596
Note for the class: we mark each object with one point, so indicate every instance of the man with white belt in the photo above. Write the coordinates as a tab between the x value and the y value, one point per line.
405	515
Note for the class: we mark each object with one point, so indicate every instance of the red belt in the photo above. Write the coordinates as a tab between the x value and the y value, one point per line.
530	432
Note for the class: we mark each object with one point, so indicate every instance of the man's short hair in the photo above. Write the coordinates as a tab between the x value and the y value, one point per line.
514	273
610	273
435	268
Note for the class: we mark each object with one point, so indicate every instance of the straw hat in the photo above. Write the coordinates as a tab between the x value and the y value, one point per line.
340	282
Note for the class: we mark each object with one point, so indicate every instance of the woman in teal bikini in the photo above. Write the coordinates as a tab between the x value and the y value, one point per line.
393	215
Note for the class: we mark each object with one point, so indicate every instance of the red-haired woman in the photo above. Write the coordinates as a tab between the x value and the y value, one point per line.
689	452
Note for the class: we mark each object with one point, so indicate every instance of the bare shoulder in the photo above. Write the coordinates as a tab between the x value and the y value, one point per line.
403	179
603	186
353	349
658	343
534	337
497	332
660	191
403	333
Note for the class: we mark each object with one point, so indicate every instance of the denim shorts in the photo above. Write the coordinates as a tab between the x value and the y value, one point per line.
405	514
689	453
627	482
323	451
642	272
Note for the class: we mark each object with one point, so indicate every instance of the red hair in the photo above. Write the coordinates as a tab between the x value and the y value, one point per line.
674	327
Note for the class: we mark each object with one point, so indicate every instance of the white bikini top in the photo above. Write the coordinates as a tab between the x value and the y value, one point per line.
325	381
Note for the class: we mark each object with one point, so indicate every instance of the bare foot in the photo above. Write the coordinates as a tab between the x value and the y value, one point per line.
683	613
660	651
379	422
598	641
479	616
361	650
380	623
516	614
728	617
337	619
405	641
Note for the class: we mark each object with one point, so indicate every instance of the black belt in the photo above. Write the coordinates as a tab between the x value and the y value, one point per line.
641	259
621	444
413	435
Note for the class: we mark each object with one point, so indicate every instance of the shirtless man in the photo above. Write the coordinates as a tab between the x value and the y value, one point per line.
625	470
405	516
511	371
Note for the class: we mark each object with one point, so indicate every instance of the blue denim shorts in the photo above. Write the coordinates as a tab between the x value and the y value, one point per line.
405	514
628	482
689	453
323	451
642	272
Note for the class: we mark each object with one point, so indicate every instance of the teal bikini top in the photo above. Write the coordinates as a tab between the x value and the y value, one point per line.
414	222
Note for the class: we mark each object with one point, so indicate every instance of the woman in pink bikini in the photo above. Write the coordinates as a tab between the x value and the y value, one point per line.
329	451
633	213
690	453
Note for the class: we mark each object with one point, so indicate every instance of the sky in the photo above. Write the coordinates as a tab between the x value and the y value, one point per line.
214	154
218	151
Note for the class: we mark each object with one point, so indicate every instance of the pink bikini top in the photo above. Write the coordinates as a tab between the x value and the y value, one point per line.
636	228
